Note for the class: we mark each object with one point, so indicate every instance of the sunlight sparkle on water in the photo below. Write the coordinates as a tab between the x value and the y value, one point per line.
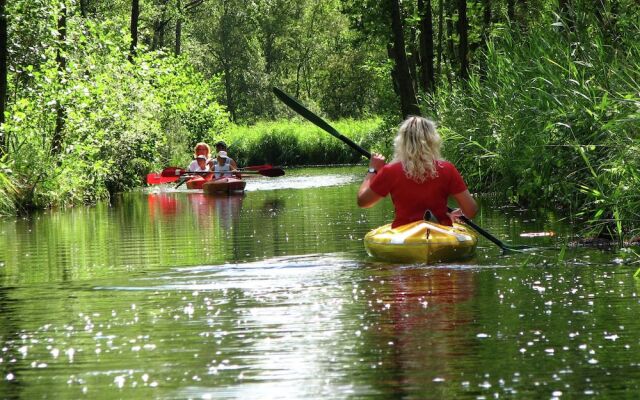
278	296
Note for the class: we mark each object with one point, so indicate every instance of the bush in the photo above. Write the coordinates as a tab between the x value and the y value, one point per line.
121	119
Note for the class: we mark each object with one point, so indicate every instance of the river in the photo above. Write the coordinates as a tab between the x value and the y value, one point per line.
170	294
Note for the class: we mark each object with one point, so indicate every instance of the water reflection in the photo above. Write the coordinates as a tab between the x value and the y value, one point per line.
173	294
415	327
226	209
265	327
272	207
161	205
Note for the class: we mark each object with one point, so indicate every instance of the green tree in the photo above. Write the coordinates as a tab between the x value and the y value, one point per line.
119	119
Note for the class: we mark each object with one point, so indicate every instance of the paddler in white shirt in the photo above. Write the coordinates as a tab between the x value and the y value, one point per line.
200	164
224	166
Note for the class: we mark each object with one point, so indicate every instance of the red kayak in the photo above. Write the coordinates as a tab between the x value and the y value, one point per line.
197	182
224	186
210	185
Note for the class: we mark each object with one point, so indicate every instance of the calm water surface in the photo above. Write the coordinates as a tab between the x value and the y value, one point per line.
171	294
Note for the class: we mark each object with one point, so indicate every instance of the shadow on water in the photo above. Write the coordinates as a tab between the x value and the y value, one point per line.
174	294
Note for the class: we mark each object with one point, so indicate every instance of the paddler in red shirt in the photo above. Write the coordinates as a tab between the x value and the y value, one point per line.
418	179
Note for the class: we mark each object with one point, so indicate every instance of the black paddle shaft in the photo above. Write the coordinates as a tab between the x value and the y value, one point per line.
484	233
302	110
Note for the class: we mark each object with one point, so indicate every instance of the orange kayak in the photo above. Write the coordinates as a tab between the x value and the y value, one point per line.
197	182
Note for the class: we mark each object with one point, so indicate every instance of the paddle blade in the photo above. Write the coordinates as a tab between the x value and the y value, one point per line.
257	167
271	172
173	172
157	179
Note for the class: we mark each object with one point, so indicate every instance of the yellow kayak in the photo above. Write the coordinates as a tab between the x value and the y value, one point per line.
421	241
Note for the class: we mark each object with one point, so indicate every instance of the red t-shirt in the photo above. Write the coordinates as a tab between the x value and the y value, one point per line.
411	199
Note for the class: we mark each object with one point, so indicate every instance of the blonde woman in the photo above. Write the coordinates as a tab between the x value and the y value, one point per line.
201	149
418	179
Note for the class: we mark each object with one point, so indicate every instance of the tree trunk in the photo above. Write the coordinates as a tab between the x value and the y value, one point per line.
229	92
83	8
524	14
225	56
154	39
450	45
426	46
159	27
61	113
440	27
408	100
135	14
269	58
3	75
413	57
463	31
162	25
177	50
394	70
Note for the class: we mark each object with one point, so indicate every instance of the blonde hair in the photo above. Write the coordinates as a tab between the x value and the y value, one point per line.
417	147
195	149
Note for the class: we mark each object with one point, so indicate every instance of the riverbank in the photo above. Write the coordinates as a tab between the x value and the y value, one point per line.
517	170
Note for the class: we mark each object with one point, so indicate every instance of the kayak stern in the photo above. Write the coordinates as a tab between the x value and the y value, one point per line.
421	242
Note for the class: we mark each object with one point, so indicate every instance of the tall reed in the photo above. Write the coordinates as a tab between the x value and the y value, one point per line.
8	191
553	122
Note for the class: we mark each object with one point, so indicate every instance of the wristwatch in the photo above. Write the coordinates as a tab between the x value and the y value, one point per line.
372	171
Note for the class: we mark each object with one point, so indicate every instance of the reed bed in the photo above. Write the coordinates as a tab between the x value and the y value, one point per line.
296	142
553	122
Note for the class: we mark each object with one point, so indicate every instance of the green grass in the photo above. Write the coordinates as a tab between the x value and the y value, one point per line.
8	192
296	142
